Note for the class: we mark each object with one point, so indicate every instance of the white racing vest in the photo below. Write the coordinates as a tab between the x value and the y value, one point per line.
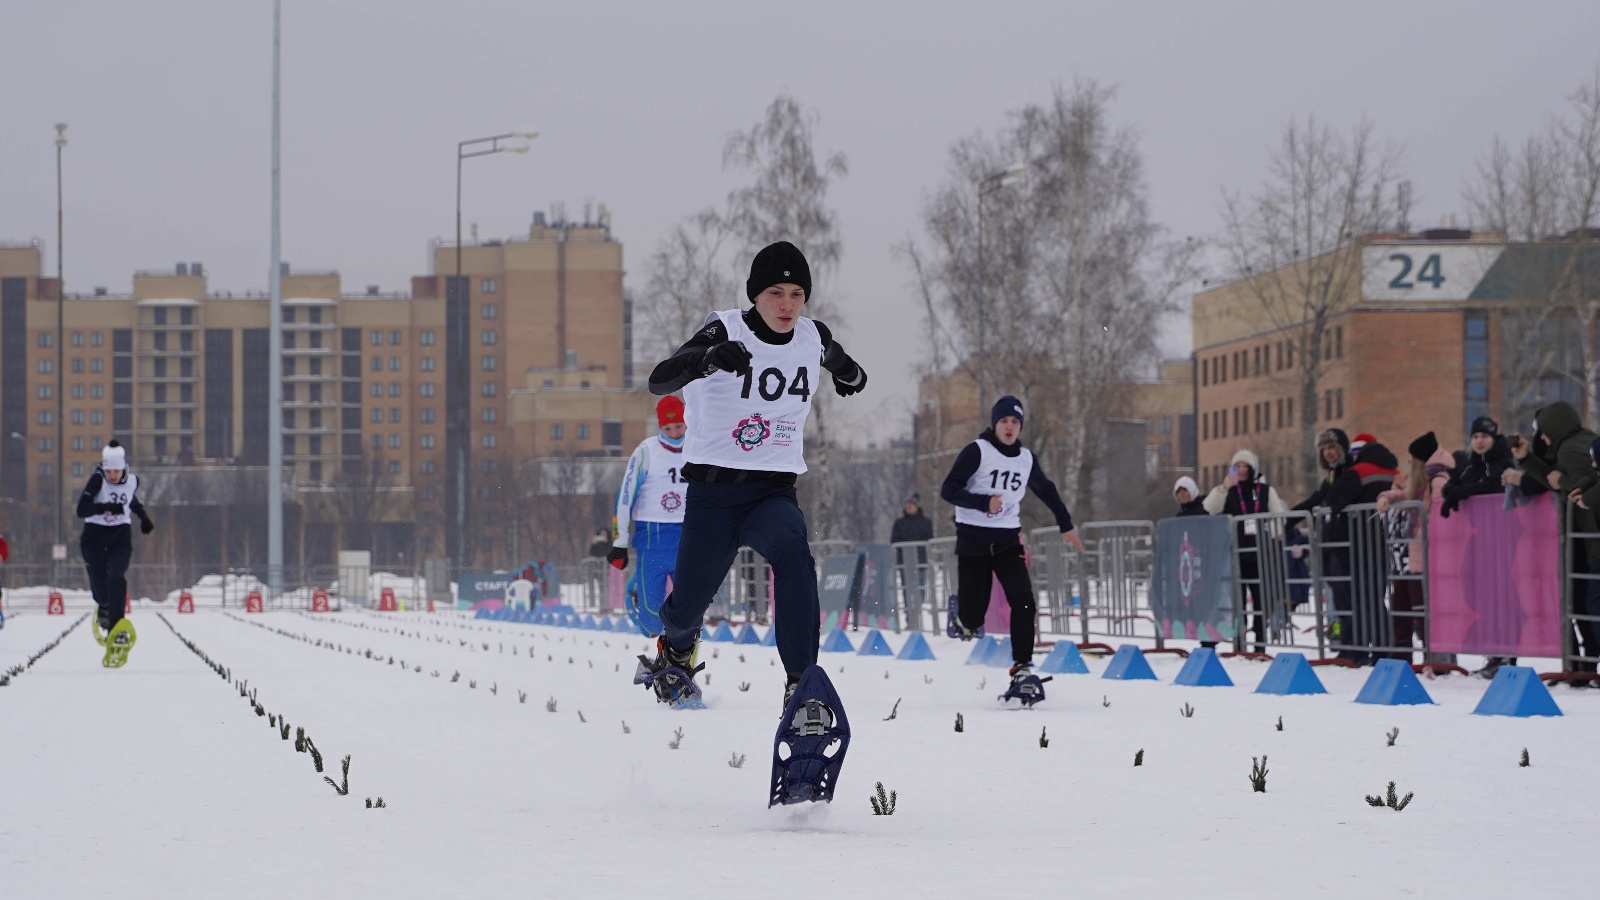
116	493
653	490
998	474
756	420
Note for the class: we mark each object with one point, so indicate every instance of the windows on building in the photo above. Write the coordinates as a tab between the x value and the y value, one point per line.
425	415
489	416
426	364
583	431
426	442
489	442
489	388
489	286
426	389
556	432
490	364
426	339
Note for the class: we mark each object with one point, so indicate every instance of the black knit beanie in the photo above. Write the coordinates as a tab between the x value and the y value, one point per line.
1423	447
780	263
1005	406
1485	425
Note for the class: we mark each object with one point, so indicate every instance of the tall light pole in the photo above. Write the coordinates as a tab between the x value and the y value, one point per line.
275	348
27	505
61	341
992	183
458	337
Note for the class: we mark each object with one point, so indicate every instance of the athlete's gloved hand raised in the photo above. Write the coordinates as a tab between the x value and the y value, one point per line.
617	557
845	387
729	356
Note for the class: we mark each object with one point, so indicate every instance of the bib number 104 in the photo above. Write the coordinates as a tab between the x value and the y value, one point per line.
771	383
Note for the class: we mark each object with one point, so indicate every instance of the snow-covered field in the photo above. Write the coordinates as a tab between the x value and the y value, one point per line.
159	780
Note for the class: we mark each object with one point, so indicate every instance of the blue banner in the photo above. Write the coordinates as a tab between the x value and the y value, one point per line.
1191	590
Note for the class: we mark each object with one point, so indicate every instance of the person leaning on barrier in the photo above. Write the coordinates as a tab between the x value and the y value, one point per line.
1557	456
913	525
1488	458
1426	474
1587	601
1187	493
1243	493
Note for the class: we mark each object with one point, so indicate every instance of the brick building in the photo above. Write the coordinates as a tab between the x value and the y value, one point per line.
1435	329
374	394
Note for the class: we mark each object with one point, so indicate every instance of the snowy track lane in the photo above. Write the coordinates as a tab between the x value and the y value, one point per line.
160	781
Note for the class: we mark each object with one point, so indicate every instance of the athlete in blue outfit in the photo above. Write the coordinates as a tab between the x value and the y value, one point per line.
650	516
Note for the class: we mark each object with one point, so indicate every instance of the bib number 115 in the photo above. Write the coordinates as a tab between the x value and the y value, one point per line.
771	384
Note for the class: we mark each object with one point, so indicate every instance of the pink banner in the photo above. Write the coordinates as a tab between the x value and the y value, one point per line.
1494	578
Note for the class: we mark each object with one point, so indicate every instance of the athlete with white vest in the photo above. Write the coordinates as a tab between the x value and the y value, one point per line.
650	516
107	506
986	484
748	379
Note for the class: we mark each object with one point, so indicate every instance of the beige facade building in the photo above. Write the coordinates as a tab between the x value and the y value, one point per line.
386	397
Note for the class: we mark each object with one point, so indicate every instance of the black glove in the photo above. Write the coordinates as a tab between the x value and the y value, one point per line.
729	356
145	525
113	508
854	386
617	557
1452	495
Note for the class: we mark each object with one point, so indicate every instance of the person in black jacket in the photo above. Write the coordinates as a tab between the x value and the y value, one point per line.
913	525
107	506
986	485
1487	460
1244	493
1187	493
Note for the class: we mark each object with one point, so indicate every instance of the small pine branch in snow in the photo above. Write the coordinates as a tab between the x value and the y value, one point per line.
883	804
550	705
713	653
455	678
893	712
677	739
581	718
1390	800
522	696
982	682
272	720
316	755
1524	763
927	679
736	761
472	683
1044	739
1280	723
625	728
744	686
708	679
344	788
1138	758
1186	711
741	657
885	674
283	728
1258	774
961	725
1105	701
300	740
1393	734
379	805
495	689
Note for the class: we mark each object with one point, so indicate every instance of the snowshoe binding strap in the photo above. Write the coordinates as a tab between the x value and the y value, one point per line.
1028	689
672	685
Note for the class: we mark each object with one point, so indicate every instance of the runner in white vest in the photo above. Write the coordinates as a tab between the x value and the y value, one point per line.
749	378
650	516
986	484
107	507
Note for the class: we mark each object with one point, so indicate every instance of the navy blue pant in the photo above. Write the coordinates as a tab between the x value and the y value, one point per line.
717	520
106	552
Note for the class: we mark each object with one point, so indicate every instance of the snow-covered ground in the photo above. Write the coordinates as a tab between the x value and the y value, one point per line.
160	781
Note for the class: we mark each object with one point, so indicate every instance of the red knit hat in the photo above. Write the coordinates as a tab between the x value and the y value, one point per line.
669	411
1361	440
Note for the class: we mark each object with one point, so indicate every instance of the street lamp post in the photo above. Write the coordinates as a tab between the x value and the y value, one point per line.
27	505
457	332
61	340
992	183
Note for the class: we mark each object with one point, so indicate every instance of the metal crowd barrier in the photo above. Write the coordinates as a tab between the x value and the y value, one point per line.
1277	584
1056	572
1114	580
1579	614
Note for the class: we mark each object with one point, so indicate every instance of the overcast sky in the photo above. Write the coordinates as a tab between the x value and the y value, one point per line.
168	103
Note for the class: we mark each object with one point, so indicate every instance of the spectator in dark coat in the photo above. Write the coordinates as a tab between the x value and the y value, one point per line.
913	524
1488	458
1187	493
1242	493
1558	457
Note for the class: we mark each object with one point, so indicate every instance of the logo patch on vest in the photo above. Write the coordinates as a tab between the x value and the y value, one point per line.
671	501
752	432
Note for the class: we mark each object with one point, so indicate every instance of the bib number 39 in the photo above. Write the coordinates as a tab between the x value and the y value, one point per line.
771	383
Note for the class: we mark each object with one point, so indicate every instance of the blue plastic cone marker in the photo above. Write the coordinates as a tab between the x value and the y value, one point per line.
705	633
1129	665
770	639
588	624
1000	653
981	648
724	632
836	641
874	645
1290	674
1392	683
1517	691
1064	659
747	635
605	624
916	647
1203	669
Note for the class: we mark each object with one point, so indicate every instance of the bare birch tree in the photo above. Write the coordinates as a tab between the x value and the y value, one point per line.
689	275
1063	274
1547	192
1294	242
